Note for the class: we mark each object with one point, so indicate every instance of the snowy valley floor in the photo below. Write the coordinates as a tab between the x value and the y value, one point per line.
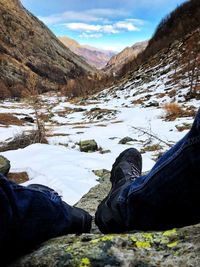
105	117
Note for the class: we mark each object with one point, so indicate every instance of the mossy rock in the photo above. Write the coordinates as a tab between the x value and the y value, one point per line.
103	174
176	247
4	165
125	140
88	146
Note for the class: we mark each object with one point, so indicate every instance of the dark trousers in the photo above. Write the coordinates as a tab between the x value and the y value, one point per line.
33	214
168	196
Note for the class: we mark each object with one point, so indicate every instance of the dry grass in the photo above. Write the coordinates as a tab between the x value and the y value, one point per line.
174	110
172	93
18	177
56	134
9	119
155	147
161	95
185	126
138	101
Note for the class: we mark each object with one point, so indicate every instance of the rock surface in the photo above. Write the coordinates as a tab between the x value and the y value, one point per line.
115	64
175	247
4	165
94	56
125	140
88	146
30	54
170	248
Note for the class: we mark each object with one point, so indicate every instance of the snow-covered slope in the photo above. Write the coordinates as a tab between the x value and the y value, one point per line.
133	108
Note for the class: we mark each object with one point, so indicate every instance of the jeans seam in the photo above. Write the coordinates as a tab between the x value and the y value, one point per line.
51	196
189	142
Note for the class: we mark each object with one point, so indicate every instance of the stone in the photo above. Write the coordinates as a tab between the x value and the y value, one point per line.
28	119
103	174
125	140
174	247
105	151
4	165
88	145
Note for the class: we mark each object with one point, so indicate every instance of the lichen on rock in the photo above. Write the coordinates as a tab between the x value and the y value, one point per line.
128	249
4	165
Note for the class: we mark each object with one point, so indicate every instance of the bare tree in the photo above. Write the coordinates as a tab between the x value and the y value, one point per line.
191	60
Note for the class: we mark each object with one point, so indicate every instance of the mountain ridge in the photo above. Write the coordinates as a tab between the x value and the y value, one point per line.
29	50
94	56
115	64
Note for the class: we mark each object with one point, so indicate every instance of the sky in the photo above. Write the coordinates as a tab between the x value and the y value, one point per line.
105	24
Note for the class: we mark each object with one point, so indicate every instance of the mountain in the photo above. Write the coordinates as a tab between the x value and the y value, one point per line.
94	56
173	28
129	53
30	54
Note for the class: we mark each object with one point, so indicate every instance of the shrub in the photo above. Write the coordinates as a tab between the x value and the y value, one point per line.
23	140
9	119
173	111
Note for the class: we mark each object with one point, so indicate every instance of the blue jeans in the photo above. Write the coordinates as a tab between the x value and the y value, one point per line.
33	214
168	196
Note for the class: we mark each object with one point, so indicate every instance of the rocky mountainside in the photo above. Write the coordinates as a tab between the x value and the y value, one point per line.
115	64
30	54
173	28
94	56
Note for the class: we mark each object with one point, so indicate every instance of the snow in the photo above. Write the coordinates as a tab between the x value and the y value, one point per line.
64	170
69	171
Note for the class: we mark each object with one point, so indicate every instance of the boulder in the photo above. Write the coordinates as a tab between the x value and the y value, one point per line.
4	165
88	145
175	247
28	119
125	140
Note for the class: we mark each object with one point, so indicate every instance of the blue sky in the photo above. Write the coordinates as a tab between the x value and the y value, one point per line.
107	24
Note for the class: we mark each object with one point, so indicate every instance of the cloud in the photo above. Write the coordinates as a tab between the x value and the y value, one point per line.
90	15
129	26
113	28
83	27
90	35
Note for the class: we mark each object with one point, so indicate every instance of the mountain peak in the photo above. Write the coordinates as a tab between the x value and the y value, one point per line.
127	54
94	56
29	50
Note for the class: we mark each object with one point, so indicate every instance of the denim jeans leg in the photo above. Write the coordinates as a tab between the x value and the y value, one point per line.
169	195
30	216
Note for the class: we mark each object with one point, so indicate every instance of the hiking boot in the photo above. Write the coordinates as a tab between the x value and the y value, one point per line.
126	168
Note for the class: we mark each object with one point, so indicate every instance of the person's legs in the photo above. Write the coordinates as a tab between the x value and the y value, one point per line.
33	214
167	197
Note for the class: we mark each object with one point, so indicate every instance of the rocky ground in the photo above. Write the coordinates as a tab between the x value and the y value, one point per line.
175	247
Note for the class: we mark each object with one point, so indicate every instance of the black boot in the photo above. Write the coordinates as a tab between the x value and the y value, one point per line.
127	167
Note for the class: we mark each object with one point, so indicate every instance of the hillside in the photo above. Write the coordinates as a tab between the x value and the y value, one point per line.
94	56
31	55
173	28
116	63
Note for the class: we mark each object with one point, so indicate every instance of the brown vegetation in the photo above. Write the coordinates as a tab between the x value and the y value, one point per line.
18	177
9	119
86	85
174	110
